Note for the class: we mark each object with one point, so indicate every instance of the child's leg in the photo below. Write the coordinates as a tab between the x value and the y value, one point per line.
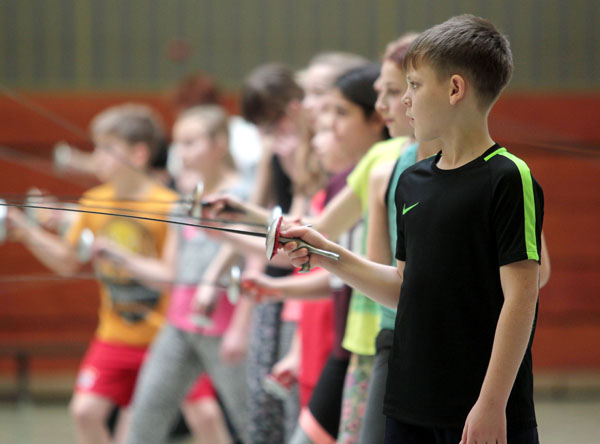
203	413
228	379
300	437
320	420
89	412
166	376
105	379
266	414
122	425
355	397
291	405
206	422
373	423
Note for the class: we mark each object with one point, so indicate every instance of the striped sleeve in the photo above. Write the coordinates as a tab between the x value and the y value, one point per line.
517	209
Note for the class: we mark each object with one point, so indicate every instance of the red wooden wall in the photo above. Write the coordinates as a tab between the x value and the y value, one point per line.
557	135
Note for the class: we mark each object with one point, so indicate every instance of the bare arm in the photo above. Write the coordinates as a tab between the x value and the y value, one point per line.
545	263
378	229
341	214
50	249
235	340
207	293
377	281
314	285
155	272
487	420
261	194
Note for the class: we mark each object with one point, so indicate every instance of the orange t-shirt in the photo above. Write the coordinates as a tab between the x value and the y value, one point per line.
130	313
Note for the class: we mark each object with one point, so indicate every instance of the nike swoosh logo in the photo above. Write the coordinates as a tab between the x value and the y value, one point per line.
406	210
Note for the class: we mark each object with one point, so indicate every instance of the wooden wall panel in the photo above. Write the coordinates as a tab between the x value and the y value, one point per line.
556	135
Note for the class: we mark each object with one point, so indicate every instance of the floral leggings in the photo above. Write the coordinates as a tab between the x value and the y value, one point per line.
354	400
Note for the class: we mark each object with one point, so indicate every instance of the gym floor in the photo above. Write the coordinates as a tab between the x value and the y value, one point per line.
562	418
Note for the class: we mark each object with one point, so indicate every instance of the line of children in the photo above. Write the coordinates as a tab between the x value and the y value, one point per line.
349	127
469	236
465	226
183	350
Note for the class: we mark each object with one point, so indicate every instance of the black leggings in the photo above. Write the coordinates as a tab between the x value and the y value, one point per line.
325	404
397	432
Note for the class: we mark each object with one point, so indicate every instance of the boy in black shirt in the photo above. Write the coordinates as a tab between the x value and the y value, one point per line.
466	284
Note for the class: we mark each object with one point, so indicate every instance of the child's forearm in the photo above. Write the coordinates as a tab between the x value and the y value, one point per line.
242	316
341	214
221	263
50	249
513	331
311	286
379	282
154	272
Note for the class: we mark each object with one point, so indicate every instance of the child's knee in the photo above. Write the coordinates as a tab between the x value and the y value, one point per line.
85	410
203	414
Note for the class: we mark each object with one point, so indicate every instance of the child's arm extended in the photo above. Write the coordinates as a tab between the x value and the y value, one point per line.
156	272
264	288
378	234
487	420
50	249
379	282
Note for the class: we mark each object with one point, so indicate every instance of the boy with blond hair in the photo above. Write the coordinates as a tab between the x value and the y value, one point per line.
466	283
126	137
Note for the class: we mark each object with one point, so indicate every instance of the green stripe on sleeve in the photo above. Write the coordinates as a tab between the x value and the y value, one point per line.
529	204
498	151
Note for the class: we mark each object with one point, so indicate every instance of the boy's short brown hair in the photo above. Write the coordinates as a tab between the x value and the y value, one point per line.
266	93
470	46
133	123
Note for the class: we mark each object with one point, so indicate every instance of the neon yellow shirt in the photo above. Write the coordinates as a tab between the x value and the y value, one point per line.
362	325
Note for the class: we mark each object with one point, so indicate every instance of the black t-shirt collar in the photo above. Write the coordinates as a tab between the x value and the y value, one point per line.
472	164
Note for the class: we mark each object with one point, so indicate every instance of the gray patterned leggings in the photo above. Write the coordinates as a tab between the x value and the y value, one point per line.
270	421
175	361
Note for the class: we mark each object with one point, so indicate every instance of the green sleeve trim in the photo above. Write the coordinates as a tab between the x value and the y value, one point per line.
528	201
498	151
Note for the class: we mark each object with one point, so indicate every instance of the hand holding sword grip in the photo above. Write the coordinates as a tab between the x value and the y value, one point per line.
311	250
274	241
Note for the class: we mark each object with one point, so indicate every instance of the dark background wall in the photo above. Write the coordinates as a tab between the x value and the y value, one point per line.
147	44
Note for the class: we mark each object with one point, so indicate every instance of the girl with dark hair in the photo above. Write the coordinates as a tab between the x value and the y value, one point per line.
347	128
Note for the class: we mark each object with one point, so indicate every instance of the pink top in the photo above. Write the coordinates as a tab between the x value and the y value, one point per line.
292	310
180	312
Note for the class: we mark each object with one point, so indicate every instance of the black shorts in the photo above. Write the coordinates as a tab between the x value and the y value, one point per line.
399	433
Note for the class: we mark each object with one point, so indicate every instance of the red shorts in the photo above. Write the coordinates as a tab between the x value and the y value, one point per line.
111	370
202	388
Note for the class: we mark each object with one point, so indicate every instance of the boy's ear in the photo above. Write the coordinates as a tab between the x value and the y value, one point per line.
457	88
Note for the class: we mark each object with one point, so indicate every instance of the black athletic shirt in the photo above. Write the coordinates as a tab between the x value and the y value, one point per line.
455	229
